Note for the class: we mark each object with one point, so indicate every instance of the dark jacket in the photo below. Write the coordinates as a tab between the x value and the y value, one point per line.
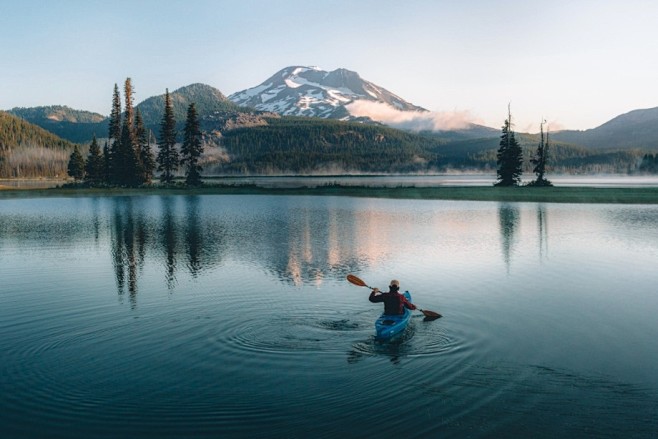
394	302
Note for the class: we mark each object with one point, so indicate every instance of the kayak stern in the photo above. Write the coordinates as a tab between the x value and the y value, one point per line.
391	326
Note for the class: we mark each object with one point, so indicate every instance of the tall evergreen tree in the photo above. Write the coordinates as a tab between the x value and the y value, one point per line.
76	167
107	177
128	172
509	156
168	155
115	115
539	160
192	148
114	137
146	158
95	168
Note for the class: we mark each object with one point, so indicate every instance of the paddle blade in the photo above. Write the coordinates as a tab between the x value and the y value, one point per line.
356	281
430	314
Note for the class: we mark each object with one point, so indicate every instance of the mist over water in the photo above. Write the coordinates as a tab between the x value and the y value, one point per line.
213	315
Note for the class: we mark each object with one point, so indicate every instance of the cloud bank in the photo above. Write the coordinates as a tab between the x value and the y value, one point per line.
410	120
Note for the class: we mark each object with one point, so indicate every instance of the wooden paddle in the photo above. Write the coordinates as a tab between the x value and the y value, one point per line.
356	281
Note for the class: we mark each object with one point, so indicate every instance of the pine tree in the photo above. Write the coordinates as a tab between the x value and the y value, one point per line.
540	160
192	148
509	156
146	158
95	168
113	165
168	155
128	172
115	115
76	167
107	177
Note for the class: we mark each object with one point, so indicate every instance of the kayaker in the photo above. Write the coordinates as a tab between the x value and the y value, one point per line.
394	302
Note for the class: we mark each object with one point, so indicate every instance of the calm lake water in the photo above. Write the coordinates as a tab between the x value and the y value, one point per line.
430	180
230	316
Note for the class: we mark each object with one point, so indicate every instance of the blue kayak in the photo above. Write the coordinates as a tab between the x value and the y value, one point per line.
388	326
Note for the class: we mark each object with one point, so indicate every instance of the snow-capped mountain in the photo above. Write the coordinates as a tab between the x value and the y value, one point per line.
310	91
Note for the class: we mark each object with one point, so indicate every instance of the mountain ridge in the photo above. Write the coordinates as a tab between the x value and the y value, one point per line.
634	129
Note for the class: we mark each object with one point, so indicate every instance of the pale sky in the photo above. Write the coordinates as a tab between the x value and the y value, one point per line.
575	63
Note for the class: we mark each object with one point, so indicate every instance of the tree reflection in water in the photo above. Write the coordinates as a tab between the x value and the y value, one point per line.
542	231
508	218
168	234
128	242
193	236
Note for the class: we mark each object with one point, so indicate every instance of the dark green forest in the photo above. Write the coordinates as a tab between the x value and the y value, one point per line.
73	125
28	151
306	145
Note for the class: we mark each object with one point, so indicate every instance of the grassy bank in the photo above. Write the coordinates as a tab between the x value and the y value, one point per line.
646	195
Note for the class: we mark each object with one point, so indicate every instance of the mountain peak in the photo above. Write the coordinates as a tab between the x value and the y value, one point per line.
311	91
199	90
207	99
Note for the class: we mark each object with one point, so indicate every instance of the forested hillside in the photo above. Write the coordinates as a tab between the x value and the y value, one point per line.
306	145
209	102
29	151
73	125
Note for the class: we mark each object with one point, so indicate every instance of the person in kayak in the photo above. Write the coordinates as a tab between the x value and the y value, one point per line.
394	302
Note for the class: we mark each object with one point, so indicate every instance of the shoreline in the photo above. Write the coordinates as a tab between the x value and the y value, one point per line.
566	194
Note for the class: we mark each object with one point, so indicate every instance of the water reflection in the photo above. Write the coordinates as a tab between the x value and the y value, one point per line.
193	237
171	236
508	219
394	350
129	237
169	240
301	243
300	240
542	231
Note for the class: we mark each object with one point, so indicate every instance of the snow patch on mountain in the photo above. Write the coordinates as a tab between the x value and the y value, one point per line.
311	91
